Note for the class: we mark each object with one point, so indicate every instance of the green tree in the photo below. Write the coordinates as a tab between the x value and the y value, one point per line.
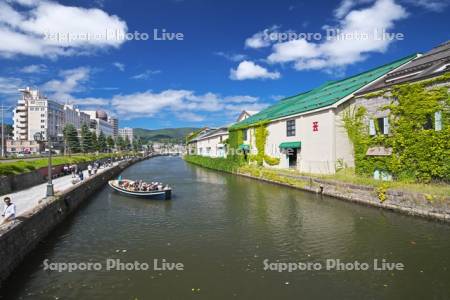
101	142
94	142
127	144
120	143
72	143
86	139
110	142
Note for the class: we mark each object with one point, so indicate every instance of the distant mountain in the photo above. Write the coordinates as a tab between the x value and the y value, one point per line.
166	135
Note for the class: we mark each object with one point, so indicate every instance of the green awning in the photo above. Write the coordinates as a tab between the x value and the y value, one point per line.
290	145
244	147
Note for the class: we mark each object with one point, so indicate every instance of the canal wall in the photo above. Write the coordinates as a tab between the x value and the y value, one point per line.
410	203
20	238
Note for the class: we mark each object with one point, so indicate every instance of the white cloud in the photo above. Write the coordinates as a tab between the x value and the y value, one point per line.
10	85
431	5
90	101
292	50
146	74
34	69
182	104
249	70
26	27
231	56
260	39
346	6
71	82
338	53
119	66
191	117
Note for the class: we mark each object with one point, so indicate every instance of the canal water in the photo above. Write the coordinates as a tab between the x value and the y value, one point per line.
222	228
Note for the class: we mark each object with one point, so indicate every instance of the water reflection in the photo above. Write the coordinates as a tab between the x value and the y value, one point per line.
222	227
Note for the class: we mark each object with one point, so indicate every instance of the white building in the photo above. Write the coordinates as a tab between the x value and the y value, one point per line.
35	113
99	122
245	114
306	132
127	132
75	116
115	124
212	143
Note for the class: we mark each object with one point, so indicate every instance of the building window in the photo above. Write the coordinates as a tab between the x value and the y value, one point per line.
438	121
382	124
428	123
245	134
290	128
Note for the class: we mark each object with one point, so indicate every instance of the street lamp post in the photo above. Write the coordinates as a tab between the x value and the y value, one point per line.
3	109
39	138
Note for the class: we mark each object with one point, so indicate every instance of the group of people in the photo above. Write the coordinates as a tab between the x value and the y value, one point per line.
70	169
141	186
92	169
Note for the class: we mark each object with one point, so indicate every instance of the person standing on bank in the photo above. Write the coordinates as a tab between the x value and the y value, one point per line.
9	212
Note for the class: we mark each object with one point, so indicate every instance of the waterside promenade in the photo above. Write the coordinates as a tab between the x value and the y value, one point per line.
28	199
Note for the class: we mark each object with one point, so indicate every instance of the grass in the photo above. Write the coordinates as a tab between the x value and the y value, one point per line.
348	176
25	166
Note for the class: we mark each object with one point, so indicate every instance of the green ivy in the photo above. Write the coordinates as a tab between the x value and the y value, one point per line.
418	154
218	163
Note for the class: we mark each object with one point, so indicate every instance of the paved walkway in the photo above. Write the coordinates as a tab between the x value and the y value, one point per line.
28	199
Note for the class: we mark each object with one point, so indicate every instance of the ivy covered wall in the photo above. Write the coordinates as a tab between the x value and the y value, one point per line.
420	151
236	138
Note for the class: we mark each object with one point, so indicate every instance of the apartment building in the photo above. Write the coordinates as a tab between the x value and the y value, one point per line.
115	124
99	122
127	132
34	114
75	116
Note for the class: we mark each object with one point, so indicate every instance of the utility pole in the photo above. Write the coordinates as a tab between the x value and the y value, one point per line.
3	108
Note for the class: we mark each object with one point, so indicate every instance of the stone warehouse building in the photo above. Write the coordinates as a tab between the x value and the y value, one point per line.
306	131
430	70
427	66
212	143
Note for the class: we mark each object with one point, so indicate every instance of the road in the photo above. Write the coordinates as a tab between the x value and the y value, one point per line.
28	199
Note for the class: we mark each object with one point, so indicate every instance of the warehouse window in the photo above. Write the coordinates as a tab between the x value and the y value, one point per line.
438	121
290	128
381	123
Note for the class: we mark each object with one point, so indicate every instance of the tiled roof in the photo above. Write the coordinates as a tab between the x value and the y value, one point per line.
433	63
322	96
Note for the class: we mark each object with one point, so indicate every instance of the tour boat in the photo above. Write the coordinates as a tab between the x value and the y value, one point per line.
166	191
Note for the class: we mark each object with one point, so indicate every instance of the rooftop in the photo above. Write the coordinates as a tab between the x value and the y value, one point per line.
433	63
325	95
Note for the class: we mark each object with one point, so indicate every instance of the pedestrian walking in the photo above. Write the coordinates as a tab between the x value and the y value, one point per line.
9	211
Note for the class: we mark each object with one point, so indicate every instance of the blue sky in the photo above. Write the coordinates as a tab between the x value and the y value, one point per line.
234	55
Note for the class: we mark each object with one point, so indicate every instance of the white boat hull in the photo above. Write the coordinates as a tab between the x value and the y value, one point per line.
147	194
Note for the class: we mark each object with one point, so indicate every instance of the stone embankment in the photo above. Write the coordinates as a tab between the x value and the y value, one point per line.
23	235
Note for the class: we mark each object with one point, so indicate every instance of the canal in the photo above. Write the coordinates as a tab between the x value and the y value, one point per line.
222	228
